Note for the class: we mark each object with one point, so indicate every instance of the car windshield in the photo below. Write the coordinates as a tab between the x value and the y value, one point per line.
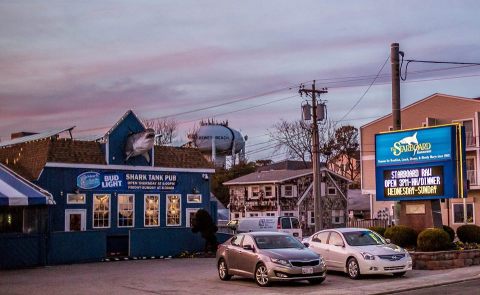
363	238
277	242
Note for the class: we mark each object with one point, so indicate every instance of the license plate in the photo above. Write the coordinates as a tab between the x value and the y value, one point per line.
307	270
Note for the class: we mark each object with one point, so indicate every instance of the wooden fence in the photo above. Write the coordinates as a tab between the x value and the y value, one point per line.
366	223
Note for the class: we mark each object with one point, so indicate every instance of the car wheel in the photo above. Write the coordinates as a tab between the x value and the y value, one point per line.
261	275
223	270
353	269
316	281
399	274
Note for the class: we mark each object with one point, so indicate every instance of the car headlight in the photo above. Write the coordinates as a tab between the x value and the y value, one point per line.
367	256
281	261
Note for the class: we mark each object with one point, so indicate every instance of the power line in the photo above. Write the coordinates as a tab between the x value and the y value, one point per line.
433	62
366	91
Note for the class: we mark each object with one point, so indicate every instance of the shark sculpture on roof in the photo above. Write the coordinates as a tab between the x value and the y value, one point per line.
140	143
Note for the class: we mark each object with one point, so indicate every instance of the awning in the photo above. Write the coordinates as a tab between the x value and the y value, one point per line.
17	191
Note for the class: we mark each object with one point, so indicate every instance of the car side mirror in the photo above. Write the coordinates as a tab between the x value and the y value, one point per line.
306	244
248	247
388	241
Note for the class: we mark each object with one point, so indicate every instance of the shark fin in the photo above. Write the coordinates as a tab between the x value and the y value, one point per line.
146	156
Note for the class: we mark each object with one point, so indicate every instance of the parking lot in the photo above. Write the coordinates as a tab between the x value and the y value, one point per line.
186	276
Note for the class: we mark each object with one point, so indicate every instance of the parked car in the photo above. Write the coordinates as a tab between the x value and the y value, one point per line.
267	257
359	251
285	224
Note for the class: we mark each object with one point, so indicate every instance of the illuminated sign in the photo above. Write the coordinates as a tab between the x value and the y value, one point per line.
127	181
425	181
420	145
422	163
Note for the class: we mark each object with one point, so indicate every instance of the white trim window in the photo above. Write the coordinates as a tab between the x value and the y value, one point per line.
151	210
101	210
126	210
332	191
194	198
190	215
311	217
174	209
270	213
457	213
255	192
76	198
253	214
289	213
338	217
289	191
268	191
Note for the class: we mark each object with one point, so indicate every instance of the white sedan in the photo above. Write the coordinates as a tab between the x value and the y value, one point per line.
359	251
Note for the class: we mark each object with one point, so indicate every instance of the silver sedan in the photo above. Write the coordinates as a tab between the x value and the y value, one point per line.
267	257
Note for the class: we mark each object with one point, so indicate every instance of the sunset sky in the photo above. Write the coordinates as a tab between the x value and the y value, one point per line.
85	63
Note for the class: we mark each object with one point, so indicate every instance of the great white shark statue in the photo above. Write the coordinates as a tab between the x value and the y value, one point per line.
140	144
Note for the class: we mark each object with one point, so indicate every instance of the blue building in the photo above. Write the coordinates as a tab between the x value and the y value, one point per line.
115	196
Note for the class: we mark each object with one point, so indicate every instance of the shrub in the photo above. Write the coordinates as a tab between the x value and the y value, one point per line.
469	233
450	232
433	239
401	235
378	229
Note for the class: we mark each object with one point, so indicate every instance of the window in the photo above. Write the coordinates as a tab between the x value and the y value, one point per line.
335	239
194	198
288	213
286	224
101	211
255	192
253	214
288	191
469	135
332	191
173	210
237	240
311	217
321	237
458	213
190	212
237	215
247	240
152	210
337	216
270	214
126	210
295	223
76	198
268	192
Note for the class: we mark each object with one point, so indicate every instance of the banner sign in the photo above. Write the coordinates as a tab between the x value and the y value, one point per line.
127	181
424	163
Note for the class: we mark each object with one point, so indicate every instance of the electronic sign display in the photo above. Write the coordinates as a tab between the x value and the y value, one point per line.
423	163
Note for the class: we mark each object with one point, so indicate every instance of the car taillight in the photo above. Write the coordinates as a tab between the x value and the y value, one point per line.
278	226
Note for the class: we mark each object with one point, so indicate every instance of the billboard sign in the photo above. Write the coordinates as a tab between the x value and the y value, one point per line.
147	181
423	163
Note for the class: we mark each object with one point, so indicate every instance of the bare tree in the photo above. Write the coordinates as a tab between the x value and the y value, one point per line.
166	130
296	138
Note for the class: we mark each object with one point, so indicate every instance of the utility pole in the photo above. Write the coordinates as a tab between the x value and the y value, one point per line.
396	114
318	206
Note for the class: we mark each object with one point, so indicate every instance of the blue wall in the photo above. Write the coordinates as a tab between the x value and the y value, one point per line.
74	247
22	250
62	181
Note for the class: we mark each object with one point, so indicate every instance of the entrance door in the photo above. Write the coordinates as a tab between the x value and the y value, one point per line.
75	219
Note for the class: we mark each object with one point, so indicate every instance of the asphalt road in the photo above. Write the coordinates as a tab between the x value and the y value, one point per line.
462	288
188	276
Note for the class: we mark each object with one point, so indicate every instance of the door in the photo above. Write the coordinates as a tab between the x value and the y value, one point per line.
318	244
336	251
233	252
248	258
75	219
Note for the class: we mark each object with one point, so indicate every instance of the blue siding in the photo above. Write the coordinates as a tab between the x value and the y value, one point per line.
72	247
22	250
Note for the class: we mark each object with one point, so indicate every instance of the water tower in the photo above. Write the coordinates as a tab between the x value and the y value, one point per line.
217	141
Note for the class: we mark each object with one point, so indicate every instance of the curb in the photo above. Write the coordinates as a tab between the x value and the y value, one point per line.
427	286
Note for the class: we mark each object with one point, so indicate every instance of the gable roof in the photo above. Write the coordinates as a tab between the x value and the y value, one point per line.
276	176
29	158
127	113
34	137
286	165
